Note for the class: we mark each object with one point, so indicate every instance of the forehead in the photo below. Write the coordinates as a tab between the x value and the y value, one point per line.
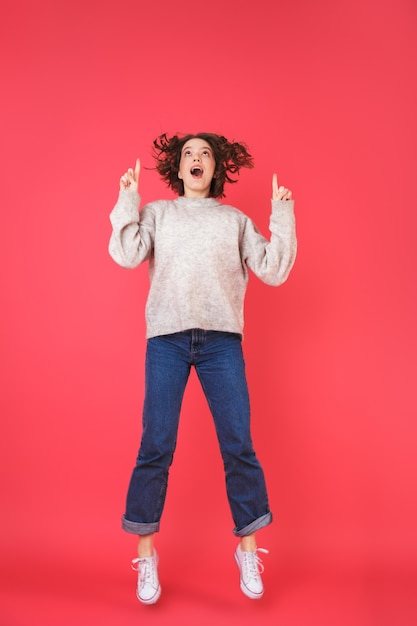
196	144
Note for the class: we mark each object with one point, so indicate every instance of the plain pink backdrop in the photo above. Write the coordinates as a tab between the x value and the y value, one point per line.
324	93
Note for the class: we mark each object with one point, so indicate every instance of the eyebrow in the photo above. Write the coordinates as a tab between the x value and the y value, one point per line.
202	148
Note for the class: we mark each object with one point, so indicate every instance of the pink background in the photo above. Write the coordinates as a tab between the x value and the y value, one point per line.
324	93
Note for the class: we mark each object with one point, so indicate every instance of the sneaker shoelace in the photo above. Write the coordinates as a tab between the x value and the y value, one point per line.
146	569
252	563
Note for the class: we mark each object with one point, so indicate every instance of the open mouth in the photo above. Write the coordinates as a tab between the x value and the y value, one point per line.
196	172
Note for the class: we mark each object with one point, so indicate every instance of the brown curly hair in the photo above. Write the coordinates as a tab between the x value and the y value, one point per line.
229	158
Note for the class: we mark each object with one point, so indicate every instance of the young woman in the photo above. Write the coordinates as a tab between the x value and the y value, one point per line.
200	252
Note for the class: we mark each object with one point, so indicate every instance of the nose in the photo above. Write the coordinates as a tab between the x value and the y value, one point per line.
196	157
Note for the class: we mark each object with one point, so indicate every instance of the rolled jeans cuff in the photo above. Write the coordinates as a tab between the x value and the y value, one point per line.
259	523
139	528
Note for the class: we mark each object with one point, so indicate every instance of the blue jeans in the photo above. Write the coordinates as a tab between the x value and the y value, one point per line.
218	360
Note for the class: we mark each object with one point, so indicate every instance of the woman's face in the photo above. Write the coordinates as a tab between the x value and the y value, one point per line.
197	167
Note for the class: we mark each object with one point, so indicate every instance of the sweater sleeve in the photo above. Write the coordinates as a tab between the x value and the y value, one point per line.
131	241
272	260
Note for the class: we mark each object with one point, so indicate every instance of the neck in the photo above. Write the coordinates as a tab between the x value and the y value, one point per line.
195	194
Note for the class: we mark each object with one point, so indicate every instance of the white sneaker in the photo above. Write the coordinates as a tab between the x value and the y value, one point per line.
148	589
251	568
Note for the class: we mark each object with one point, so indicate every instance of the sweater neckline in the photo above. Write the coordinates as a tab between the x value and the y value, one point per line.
196	202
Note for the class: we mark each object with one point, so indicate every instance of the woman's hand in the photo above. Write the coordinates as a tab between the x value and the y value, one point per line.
130	179
280	193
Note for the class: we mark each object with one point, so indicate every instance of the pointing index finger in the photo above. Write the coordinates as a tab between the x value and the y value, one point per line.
137	169
274	185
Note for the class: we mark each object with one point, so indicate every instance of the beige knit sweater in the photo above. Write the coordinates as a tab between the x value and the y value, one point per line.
199	252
